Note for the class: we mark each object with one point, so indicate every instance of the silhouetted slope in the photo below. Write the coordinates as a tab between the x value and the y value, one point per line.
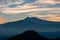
33	21
52	35
28	35
57	39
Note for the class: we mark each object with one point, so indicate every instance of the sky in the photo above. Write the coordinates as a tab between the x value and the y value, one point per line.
14	10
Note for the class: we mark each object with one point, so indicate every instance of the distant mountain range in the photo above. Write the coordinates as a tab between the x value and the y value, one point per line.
34	24
30	23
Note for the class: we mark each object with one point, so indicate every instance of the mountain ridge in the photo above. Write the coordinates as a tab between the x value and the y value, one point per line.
39	25
32	22
31	18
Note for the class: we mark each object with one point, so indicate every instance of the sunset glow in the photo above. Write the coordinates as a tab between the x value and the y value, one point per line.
17	9
2	20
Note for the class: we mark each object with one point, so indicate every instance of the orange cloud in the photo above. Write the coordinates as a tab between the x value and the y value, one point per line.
54	18
51	17
2	20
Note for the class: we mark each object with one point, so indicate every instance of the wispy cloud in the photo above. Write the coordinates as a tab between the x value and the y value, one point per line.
47	1
4	3
26	8
18	9
32	8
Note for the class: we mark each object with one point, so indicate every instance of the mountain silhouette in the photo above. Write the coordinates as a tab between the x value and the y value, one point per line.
30	23
28	35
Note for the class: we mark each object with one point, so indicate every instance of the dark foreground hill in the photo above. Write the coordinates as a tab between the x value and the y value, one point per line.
28	35
57	39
